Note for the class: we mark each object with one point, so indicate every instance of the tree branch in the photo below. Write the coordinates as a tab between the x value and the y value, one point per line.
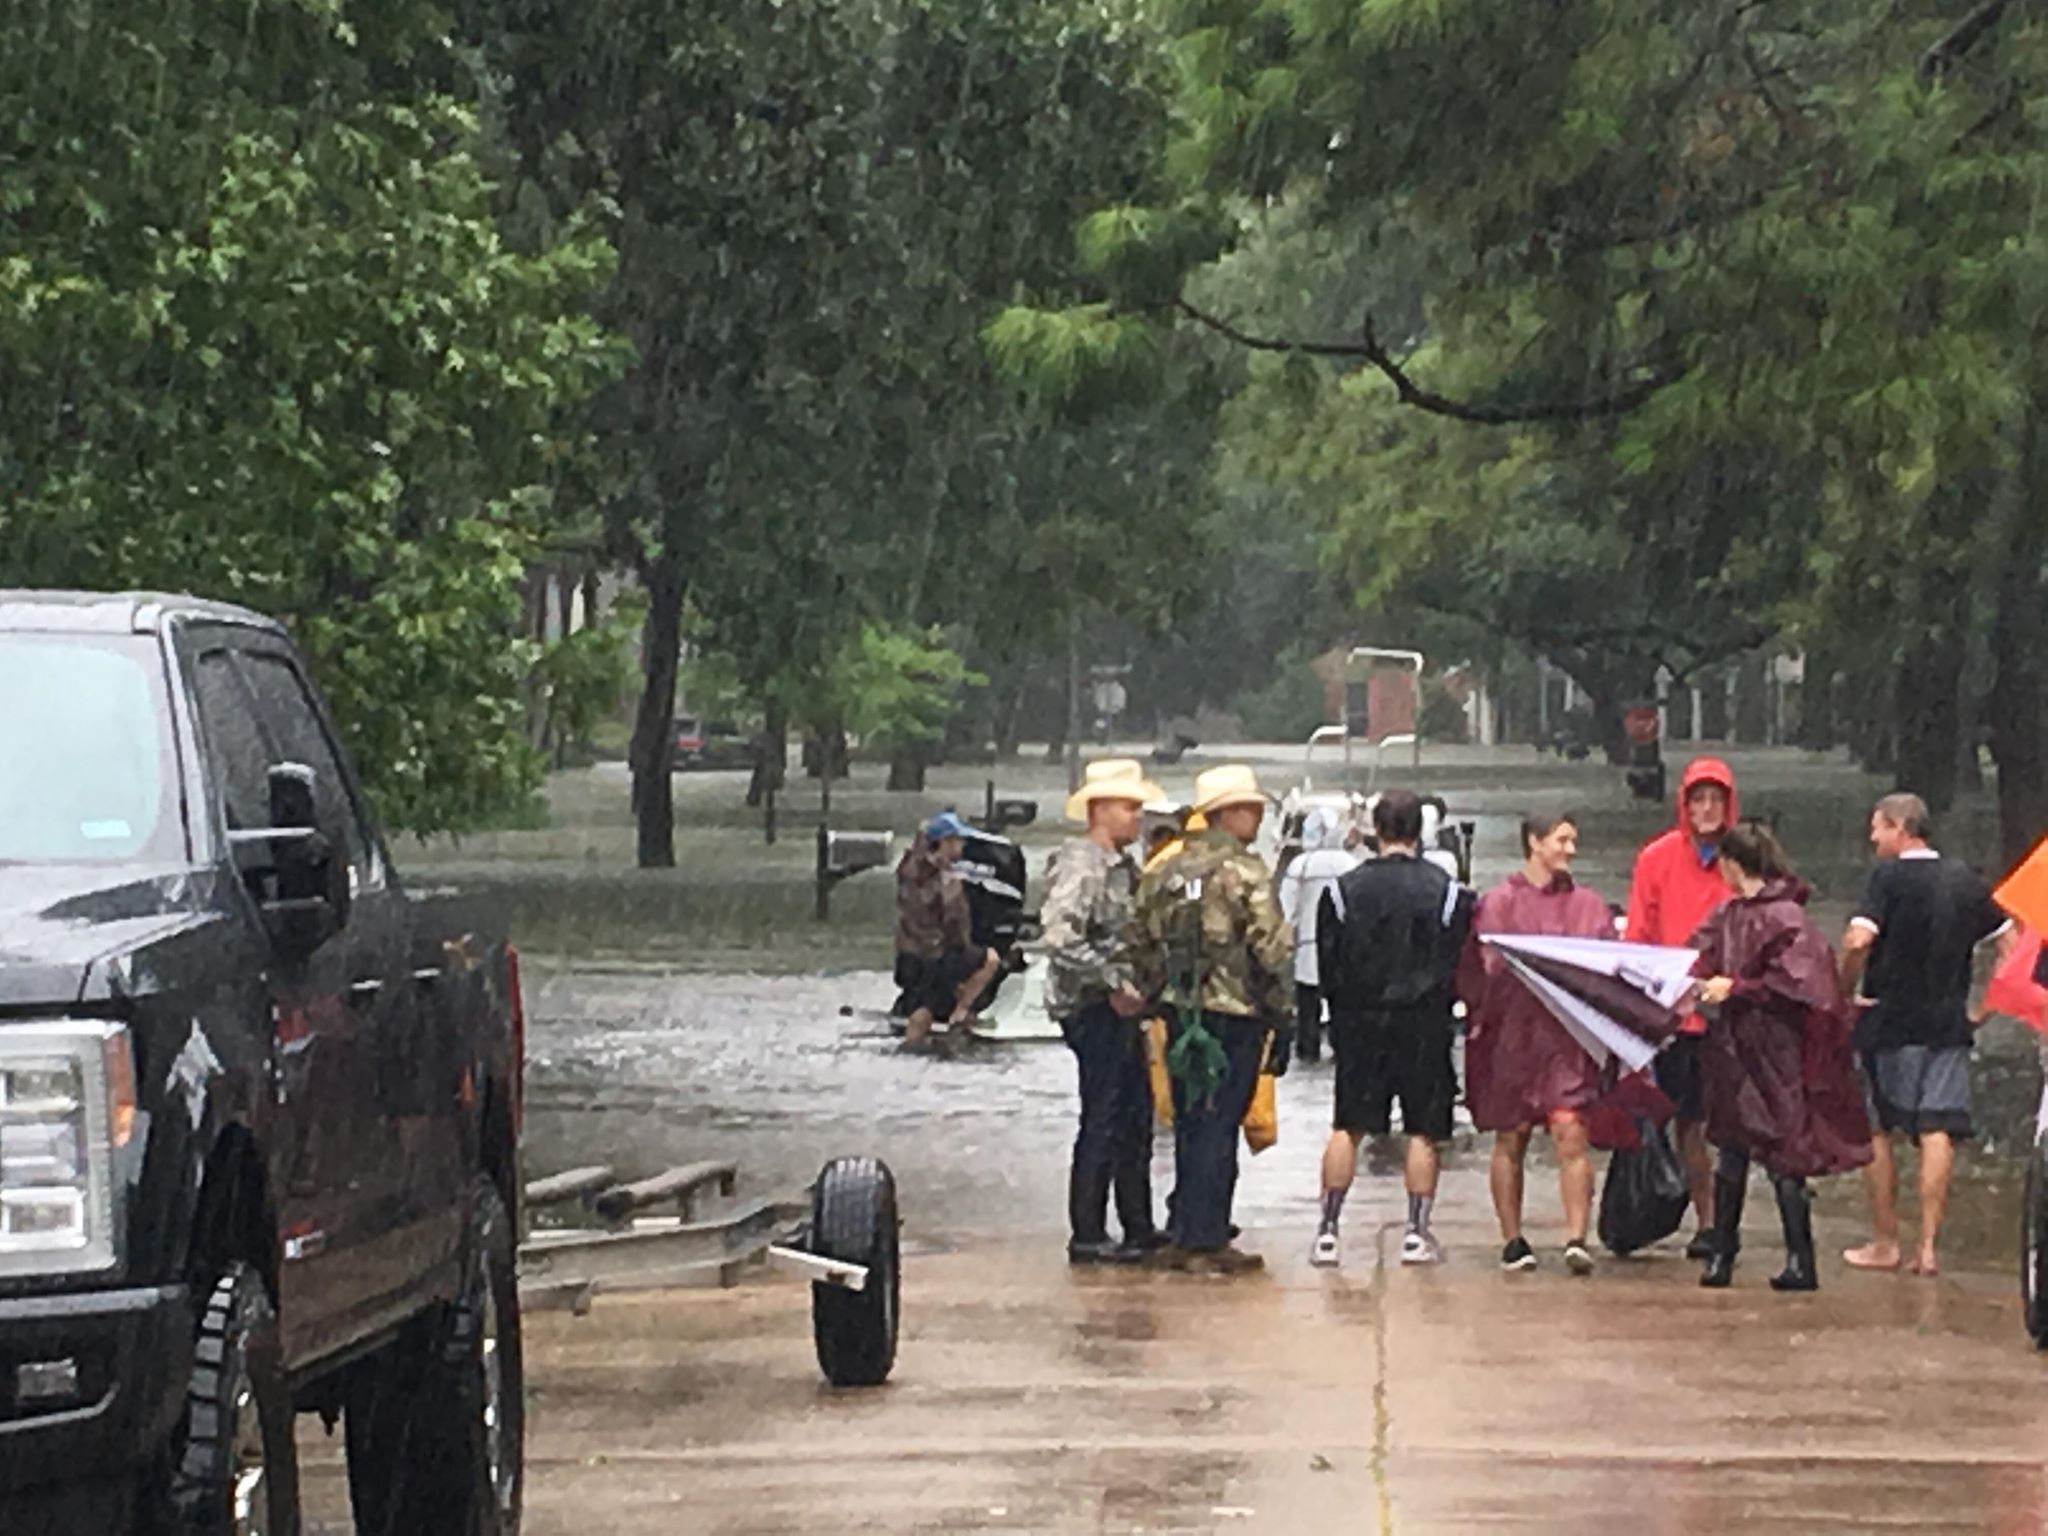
1370	349
1947	50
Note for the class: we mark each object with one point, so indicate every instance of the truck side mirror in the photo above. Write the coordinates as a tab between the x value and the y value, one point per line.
307	897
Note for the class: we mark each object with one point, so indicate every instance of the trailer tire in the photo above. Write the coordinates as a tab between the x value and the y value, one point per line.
2034	1246
436	1423
853	1219
237	1391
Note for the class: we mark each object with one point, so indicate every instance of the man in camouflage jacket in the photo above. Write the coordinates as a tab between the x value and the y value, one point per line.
1208	940
1089	992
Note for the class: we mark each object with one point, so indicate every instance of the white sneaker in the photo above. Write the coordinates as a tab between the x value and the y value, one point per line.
1421	1248
1327	1254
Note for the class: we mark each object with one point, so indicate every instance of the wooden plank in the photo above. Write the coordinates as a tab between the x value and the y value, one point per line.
676	1184
572	1185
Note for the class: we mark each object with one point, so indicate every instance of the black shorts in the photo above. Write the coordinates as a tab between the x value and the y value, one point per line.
934	985
1677	1069
1384	1057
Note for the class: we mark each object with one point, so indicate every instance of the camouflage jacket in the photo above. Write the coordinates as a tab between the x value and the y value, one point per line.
1087	907
1206	931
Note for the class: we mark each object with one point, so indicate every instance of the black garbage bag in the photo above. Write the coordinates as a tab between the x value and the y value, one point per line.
1645	1197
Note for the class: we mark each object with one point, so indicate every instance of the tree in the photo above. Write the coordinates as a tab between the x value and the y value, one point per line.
808	253
261	337
1696	306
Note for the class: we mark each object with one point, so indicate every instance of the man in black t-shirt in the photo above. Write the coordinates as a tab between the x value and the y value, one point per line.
1390	933
1912	947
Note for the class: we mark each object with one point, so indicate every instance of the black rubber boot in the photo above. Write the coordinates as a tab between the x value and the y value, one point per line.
1088	1209
1795	1210
1731	1182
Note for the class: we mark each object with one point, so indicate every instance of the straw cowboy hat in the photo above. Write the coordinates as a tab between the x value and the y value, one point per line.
1221	788
1114	778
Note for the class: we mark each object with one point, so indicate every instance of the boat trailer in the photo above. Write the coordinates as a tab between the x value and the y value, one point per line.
842	1236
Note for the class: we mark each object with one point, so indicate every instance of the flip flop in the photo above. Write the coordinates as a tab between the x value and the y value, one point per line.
1859	1258
1924	1269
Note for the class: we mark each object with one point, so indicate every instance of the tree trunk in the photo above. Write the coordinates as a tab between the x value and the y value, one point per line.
654	727
1009	722
907	770
1752	701
2019	646
1609	733
771	753
1072	733
1928	708
1817	702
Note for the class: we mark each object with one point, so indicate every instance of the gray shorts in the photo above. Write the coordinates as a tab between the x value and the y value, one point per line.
1918	1088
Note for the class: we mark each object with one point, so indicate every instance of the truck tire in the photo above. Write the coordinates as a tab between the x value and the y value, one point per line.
235	1468
853	1219
436	1423
2034	1246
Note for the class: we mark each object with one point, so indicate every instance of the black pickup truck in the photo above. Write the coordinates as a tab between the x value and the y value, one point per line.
258	1110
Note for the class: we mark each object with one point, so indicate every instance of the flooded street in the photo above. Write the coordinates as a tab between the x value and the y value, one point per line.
1029	1397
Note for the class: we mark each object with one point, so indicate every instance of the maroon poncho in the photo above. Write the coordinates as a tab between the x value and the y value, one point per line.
1775	1067
1521	1066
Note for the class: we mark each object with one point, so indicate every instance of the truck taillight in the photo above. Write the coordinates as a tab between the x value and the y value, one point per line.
518	1005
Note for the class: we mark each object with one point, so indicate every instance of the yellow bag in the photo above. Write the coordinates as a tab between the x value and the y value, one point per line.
1262	1115
1155	1064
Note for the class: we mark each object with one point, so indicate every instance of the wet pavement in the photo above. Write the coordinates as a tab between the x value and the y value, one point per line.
1030	1397
699	1013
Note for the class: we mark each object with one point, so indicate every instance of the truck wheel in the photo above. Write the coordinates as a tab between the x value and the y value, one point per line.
2034	1246
853	1219
235	1470
436	1423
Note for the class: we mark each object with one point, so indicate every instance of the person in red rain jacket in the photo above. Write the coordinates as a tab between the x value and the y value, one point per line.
1676	888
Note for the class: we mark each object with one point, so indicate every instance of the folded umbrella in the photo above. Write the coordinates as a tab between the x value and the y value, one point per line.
1618	1000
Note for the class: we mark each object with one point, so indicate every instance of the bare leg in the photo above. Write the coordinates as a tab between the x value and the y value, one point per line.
1881	1182
1698	1159
972	988
1574	1174
1340	1161
917	1029
1423	1164
1937	1162
1509	1148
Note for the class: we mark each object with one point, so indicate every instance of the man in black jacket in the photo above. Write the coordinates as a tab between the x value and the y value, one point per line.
1389	937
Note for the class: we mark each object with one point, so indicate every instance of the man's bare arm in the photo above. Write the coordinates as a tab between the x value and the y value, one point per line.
1856	945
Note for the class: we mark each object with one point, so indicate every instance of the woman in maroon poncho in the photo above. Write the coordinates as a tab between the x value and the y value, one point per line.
1522	1069
1776	1069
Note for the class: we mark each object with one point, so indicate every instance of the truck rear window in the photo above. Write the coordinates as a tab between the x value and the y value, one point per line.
85	762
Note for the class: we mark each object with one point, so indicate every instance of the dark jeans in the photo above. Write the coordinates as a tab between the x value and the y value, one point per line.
1113	1149
1308	1020
1205	1136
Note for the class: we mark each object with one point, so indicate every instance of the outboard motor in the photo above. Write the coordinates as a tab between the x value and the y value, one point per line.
993	869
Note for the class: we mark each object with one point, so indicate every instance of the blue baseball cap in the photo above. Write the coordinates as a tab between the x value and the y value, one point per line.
947	824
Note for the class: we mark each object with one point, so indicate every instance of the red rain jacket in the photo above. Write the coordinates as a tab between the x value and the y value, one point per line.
1677	886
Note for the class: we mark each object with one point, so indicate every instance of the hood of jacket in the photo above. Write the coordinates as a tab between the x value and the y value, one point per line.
1707	770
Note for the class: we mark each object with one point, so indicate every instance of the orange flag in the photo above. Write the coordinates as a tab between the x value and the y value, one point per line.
2025	891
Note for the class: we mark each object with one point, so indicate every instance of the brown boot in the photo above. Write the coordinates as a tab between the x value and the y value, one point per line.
1230	1260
